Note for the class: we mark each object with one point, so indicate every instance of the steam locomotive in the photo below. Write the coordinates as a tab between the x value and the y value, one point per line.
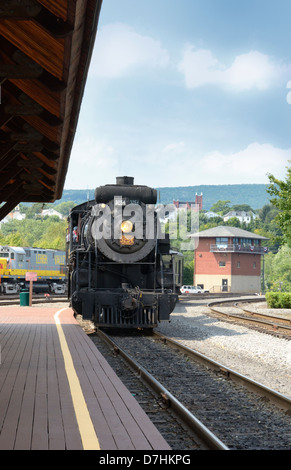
121	270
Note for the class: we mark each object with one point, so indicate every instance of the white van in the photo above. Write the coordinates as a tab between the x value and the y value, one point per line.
191	290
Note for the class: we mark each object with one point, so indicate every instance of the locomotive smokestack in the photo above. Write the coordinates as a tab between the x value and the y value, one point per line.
125	180
124	187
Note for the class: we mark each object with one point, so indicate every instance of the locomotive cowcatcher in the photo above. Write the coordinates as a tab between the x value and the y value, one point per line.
122	272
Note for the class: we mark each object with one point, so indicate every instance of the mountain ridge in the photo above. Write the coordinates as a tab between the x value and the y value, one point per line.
255	195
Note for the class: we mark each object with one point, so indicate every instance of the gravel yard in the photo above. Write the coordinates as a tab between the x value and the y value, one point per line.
257	355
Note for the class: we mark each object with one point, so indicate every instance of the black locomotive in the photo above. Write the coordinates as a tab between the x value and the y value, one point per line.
122	272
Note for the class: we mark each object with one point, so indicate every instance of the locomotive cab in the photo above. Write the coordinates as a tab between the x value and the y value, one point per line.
116	266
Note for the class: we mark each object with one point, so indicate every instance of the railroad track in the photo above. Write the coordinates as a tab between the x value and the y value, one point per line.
279	325
36	299
221	408
201	435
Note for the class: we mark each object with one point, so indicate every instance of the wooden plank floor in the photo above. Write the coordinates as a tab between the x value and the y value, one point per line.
39	395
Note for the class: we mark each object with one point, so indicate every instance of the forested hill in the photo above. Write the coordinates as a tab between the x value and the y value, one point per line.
255	195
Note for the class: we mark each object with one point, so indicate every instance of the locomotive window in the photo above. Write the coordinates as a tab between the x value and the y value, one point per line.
27	252
4	255
12	255
20	257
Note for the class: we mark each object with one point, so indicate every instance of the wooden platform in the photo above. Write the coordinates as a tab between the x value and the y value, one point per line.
58	392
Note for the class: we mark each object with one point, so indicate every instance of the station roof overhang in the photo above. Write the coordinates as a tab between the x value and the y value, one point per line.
45	51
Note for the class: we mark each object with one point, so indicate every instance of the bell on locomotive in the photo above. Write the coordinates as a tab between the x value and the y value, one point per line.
118	276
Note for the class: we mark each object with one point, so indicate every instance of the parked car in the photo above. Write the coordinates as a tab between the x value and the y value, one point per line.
191	290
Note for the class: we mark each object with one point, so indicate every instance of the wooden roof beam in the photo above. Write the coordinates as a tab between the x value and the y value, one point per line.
26	9
4	118
27	74
5	149
36	189
33	10
9	174
12	202
35	162
9	192
25	133
36	177
16	103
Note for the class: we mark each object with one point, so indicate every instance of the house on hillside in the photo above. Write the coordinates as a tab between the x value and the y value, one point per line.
14	215
242	216
211	214
50	212
228	259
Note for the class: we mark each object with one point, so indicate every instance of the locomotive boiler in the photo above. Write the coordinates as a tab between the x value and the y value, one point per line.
122	271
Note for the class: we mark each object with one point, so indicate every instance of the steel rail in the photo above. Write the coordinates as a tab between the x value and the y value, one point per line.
35	300
205	435
283	320
274	397
255	318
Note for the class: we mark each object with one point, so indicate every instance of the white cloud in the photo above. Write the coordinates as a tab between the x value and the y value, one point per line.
250	165
199	67
185	166
91	163
119	49
95	163
250	70
177	148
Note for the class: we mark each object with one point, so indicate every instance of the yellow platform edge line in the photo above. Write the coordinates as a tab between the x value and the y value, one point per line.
87	432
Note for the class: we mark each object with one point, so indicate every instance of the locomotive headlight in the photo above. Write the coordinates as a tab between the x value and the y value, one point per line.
126	226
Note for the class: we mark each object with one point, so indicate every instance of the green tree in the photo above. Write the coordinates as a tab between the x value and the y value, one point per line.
65	207
221	207
242	207
35	209
233	222
54	236
43	233
281	199
277	270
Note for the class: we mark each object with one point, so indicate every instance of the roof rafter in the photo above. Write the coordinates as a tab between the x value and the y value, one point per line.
45	50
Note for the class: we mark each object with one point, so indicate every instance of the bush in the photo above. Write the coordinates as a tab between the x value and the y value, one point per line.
278	299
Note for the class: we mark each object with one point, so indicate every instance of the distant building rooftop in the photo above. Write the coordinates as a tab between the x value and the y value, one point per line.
227	231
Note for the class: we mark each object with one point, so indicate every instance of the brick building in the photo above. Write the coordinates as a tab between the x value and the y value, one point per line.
187	204
228	259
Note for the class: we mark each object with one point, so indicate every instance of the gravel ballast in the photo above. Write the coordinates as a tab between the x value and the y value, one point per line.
259	356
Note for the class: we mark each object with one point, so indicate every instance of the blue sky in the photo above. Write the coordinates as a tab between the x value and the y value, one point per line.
188	92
